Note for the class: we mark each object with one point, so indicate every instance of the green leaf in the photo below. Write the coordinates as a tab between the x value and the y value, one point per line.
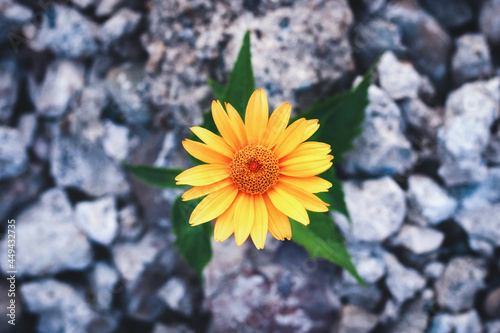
335	196
218	89
159	177
193	242
341	117
321	239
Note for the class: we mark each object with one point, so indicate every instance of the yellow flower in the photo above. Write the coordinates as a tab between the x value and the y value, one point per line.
258	173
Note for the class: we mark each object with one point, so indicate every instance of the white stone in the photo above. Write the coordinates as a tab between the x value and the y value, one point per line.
115	141
419	240
98	219
399	79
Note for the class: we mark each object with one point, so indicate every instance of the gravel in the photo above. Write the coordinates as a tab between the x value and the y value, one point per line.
98	220
13	155
472	60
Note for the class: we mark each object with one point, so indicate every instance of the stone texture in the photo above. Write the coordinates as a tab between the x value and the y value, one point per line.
483	194
457	288
98	220
9	86
488	21
480	223
130	225
399	79
49	232
103	279
160	328
381	149
450	13
68	34
377	209
115	141
13	155
492	303
175	295
492	153
62	84
414	315
472	60
402	282
428	202
122	24
356	320
467	322
434	269
470	112
419	240
369	262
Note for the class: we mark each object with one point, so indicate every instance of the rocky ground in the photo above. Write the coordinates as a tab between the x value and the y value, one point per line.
86	84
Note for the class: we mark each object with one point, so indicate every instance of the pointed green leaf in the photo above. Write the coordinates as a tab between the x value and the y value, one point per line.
335	196
341	117
193	243
218	89
241	83
159	177
321	239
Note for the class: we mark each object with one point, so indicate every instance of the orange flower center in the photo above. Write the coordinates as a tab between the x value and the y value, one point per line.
254	169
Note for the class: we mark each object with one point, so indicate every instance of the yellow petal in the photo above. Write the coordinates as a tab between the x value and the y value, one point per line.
244	217
224	225
279	225
308	148
307	199
311	128
290	138
288	204
305	159
256	116
260	222
204	174
224	126
310	184
276	125
213	205
200	191
307	169
202	152
237	124
213	141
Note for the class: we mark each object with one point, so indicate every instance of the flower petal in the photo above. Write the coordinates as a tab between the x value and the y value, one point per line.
224	226
204	174
200	191
260	222
224	126
204	153
237	124
276	125
279	225
214	141
213	205
307	199
256	116
290	138
244	217
311	128
306	169
305	159
288	204
308	148
310	184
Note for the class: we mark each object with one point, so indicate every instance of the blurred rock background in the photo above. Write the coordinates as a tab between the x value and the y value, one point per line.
86	84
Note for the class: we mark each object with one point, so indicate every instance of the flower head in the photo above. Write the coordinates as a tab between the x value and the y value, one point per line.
258	172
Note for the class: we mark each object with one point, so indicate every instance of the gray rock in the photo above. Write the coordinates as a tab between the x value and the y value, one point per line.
13	155
470	112
85	4
382	148
492	153
480	223
356	320
104	323
67	33
62	84
492	303
27	128
472	60
58	247
434	269
12	16
130	225
115	141
428	45
484	247
107	7
457	288
488	21
370	297
399	79
369	262
483	194
8	89
377	209
60	306
131	259
428	202
450	13
402	282
421	118
372	38
373	6
414	315
86	120
126	86
103	280
177	328
467	322
492	326
84	165
98	220
175	295
123	23
419	240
